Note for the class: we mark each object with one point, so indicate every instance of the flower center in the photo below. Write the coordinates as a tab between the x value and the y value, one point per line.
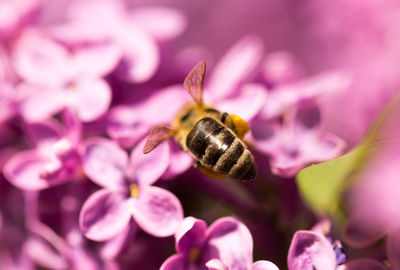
194	254
134	188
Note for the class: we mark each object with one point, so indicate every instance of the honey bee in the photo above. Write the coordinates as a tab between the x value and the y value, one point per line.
213	138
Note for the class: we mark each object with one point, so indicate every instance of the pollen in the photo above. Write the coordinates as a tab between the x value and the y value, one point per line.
242	127
194	254
134	188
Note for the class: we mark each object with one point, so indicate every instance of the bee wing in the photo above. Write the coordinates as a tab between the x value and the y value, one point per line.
194	81
157	135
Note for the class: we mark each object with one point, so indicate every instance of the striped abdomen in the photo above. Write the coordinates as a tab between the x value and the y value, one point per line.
217	148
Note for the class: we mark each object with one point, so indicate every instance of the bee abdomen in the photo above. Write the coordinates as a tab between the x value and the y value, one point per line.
218	149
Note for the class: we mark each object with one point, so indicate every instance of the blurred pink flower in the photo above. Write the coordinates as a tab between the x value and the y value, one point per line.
65	78
54	160
133	32
14	14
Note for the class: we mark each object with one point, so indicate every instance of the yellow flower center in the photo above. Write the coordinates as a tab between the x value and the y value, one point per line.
134	188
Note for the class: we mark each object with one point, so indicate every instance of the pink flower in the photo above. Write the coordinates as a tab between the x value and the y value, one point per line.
226	244
54	160
127	191
134	32
65	78
313	250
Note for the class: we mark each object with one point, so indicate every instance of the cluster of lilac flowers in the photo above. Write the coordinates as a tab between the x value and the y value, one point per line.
82	82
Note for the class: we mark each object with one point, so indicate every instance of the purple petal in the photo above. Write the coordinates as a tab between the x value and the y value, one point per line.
310	250
39	60
105	163
254	94
281	67
148	168
162	23
216	264
113	247
266	135
141	56
128	124
73	126
157	211
190	233
91	98
180	161
46	248
264	265
229	240
393	249
288	95
35	108
46	132
362	230
364	264
175	262
24	170
85	58
237	64
104	215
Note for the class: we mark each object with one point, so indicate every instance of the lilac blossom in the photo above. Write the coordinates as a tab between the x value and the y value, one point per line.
314	249
54	160
127	191
226	244
67	79
300	138
14	14
134	33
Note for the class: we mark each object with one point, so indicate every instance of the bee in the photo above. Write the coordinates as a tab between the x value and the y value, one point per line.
213	138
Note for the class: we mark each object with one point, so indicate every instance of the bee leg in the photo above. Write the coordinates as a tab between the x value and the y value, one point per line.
236	123
208	172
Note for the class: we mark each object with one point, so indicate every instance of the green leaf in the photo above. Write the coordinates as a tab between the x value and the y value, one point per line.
322	185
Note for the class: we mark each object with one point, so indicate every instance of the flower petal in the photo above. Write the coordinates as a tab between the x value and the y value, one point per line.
34	107
24	170
46	132
216	264
362	230
310	250
104	215
254	94
86	62
180	161
264	265
229	240
281	67
175	262
364	264
141	56
39	60
237	64
91	98
162	23
104	162
157	211
114	246
148	168
46	248
190	233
